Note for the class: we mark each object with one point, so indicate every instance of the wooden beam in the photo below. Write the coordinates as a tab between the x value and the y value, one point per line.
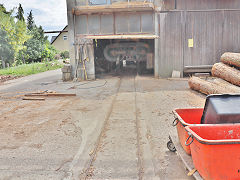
135	36
116	7
33	99
48	32
51	94
197	69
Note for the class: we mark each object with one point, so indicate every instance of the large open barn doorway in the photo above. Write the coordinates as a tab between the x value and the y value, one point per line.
124	57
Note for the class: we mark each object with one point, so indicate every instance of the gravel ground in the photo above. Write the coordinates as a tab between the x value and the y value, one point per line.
115	128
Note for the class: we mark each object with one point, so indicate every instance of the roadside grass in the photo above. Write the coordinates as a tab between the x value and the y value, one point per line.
28	69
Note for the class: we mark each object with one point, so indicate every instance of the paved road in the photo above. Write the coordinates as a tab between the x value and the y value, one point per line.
115	128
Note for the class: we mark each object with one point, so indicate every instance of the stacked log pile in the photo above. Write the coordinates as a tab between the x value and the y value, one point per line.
231	59
227	75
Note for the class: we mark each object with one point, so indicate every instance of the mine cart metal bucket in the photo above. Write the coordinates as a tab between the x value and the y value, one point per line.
186	117
215	150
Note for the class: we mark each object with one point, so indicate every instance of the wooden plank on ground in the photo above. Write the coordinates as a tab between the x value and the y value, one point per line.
60	94
51	94
33	99
186	159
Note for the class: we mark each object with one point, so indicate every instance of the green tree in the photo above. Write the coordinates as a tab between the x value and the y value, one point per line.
41	33
20	13
3	9
30	21
16	31
49	52
6	50
20	41
21	35
36	45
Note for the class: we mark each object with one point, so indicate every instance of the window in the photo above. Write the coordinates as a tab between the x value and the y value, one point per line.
65	37
99	2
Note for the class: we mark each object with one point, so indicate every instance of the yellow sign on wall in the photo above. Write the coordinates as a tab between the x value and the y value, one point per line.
190	43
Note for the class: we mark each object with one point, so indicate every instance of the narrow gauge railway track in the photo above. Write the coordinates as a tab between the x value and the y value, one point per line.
139	148
88	172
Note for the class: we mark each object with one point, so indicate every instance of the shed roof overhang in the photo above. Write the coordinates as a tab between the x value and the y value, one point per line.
116	7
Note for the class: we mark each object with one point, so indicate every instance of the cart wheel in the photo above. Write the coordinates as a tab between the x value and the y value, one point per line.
171	146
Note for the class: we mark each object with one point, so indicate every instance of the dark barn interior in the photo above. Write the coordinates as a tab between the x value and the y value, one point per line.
122	57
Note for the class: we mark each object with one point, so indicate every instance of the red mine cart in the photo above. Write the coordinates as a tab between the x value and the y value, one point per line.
208	140
216	150
183	118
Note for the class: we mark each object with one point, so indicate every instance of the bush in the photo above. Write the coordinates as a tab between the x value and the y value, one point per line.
64	54
49	52
33	68
57	56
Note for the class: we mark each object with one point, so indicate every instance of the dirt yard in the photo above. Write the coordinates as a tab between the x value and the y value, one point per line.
7	78
115	128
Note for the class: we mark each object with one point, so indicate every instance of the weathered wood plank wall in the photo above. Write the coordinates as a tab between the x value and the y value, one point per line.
205	28
213	33
201	4
170	53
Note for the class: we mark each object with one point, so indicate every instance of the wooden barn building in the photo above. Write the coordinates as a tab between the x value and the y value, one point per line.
170	35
